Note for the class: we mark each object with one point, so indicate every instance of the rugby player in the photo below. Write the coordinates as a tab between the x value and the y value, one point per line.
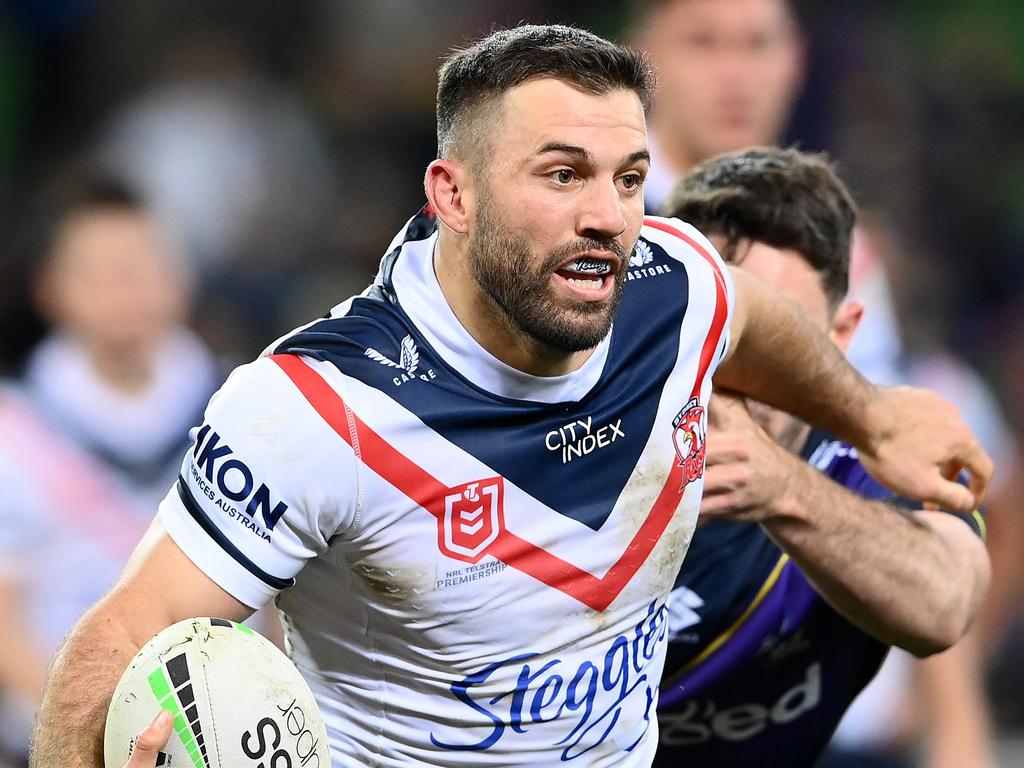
468	490
803	570
729	72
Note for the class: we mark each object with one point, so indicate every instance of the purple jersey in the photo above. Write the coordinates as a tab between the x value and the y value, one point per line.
760	669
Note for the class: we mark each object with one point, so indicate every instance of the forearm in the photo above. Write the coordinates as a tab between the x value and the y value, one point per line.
81	680
780	358
915	580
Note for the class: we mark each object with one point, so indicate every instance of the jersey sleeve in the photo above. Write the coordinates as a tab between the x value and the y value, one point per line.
975	519
840	462
687	244
264	486
723	275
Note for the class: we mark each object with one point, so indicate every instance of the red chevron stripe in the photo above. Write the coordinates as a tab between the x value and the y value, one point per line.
428	492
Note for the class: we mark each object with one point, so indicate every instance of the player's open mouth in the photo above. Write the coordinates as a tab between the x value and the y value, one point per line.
589	276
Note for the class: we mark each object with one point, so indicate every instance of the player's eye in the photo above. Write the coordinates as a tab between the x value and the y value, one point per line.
631	180
564	176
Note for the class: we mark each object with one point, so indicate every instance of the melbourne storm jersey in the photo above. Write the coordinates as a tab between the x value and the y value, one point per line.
760	668
472	563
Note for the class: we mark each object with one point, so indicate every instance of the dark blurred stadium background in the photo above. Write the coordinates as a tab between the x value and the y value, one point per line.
284	142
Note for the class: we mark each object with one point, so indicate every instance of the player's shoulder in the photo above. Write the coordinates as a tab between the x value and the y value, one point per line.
371	320
260	400
680	240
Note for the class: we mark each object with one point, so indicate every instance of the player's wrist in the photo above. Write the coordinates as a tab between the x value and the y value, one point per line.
873	422
788	504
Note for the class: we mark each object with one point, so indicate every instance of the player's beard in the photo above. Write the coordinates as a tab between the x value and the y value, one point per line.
505	268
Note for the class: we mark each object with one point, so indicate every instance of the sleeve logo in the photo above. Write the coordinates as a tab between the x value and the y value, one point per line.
226	480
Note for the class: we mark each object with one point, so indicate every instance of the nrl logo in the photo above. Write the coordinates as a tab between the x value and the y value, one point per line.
408	362
641	255
474	517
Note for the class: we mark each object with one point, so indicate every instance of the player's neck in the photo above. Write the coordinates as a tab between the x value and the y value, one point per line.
488	324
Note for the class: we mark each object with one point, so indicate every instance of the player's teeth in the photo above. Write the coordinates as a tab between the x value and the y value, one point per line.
584	282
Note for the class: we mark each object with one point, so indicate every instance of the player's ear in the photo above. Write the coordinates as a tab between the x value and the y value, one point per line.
845	322
448	188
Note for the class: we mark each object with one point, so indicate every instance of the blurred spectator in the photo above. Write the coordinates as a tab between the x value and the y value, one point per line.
729	75
94	435
235	165
896	90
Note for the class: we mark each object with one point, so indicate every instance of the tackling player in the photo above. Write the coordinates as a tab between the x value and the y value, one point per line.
467	489
803	570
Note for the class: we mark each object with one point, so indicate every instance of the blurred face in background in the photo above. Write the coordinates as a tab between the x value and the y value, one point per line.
111	281
728	72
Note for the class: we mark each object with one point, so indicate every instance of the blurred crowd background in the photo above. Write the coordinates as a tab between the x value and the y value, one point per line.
280	145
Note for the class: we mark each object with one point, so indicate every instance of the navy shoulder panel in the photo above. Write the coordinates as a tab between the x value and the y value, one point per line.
547	449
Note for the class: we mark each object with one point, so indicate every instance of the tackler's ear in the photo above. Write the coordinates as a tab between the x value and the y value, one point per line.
845	323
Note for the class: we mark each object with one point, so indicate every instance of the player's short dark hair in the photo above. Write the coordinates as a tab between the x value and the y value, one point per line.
781	197
475	76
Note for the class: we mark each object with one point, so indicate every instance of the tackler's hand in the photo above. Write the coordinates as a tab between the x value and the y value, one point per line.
917	445
746	471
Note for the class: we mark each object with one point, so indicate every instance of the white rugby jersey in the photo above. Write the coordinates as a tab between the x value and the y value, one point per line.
472	562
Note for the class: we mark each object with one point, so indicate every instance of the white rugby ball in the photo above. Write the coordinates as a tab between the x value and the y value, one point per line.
237	701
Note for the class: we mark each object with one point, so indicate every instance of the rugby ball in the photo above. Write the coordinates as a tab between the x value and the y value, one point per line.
237	701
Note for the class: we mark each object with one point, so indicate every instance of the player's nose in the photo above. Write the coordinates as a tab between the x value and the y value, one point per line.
603	213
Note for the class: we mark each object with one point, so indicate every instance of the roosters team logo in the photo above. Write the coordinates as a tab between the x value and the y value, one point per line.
642	255
688	437
473	517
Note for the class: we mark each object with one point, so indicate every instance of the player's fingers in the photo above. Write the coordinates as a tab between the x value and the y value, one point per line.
151	741
979	467
725	448
719	503
952	495
721	479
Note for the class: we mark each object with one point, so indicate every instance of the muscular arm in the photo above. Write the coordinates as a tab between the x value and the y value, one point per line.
911	440
778	356
85	671
912	579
